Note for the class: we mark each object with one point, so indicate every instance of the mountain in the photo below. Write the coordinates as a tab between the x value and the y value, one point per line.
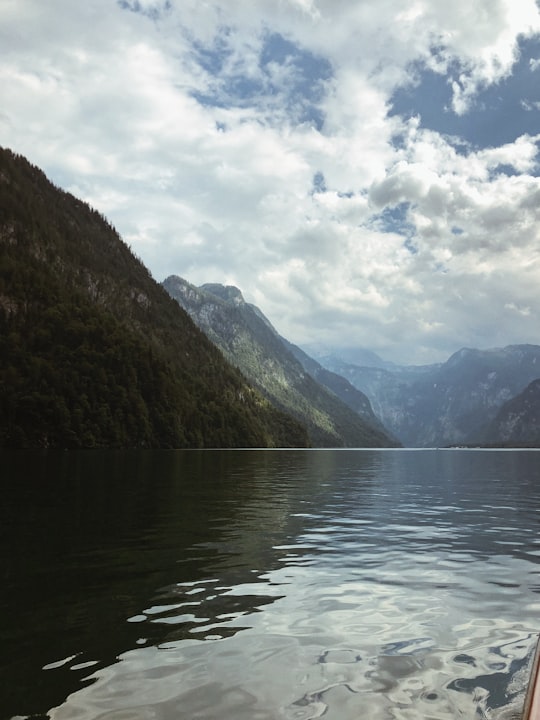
340	386
94	352
450	403
391	393
518	420
249	341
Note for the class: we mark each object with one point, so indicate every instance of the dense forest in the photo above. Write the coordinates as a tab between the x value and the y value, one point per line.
94	352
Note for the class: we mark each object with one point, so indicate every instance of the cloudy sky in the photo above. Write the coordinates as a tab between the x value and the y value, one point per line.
366	171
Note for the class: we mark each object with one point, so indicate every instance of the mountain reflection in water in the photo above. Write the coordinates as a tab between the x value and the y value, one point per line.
268	584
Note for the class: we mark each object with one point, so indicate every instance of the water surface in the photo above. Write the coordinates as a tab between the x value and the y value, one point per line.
268	585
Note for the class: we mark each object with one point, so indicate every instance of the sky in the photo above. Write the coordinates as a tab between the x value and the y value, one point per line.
366	172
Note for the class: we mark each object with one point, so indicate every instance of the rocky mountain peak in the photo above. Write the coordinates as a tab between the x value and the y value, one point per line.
229	293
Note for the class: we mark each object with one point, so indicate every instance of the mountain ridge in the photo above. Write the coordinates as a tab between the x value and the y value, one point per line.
248	340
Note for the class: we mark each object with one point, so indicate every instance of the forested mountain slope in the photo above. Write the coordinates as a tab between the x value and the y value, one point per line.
249	341
93	351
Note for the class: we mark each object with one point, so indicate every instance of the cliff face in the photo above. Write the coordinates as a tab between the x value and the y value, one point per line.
248	340
94	351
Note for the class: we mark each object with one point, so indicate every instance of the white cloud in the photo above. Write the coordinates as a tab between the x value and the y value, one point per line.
109	102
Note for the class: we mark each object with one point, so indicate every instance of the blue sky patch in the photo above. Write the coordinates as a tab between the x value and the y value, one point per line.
503	169
154	13
289	79
394	220
499	113
319	183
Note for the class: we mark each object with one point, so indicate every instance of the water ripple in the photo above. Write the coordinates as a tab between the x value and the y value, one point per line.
392	585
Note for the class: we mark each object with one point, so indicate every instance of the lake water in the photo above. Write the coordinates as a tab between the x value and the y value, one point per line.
268	585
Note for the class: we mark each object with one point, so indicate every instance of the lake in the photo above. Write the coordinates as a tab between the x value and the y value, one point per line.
268	585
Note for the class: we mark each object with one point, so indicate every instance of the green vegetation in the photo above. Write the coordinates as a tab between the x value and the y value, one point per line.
94	352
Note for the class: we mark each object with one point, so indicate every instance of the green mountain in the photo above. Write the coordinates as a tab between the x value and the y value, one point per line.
248	340
94	352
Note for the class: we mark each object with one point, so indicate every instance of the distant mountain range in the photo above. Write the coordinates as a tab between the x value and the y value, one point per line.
333	411
476	397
